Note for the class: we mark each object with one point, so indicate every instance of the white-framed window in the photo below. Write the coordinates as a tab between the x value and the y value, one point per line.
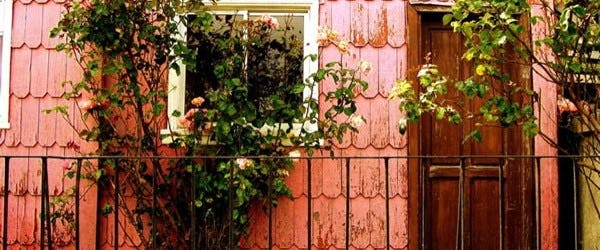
5	33
302	14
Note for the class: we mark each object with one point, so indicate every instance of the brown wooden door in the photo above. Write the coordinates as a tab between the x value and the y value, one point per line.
468	203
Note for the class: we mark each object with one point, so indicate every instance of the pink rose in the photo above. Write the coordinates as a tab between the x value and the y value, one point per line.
243	163
91	104
270	21
67	165
87	105
190	114
186	123
566	105
198	101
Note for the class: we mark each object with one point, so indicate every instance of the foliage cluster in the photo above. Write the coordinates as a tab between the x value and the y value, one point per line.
563	51
557	40
126	50
495	36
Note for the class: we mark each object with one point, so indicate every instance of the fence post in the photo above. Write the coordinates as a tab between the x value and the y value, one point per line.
230	212
347	203
309	202
386	163
270	207
5	212
192	205
154	200
503	162
46	227
77	203
116	208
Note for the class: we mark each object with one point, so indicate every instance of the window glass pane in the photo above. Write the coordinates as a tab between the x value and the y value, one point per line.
205	42
276	65
268	60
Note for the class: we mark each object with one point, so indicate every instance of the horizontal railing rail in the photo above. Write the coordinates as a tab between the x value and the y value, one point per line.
45	227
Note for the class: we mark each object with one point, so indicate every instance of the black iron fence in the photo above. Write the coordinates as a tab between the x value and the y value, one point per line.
46	240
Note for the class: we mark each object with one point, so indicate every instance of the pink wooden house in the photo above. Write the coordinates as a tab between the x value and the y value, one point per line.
422	207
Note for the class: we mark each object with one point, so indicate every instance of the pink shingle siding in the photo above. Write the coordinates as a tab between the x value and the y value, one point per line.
37	74
378	34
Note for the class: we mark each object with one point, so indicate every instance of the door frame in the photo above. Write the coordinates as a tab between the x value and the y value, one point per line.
415	224
531	238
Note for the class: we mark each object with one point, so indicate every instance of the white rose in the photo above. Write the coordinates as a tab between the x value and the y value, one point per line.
294	155
356	120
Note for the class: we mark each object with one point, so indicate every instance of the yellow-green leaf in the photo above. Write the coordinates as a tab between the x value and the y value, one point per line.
480	70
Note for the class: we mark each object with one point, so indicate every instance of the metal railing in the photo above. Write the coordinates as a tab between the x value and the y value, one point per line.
45	232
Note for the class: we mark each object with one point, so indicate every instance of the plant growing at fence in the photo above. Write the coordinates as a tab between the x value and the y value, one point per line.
495	35
250	108
565	51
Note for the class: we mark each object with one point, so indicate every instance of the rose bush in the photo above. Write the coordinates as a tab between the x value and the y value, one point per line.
244	120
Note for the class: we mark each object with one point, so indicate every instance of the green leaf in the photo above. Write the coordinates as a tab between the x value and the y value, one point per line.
298	88
475	135
579	10
98	173
447	19
231	110
106	209
530	129
439	113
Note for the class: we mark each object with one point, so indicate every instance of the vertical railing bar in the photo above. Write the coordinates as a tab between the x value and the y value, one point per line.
77	204
386	162
460	244
347	203
537	196
230	207
503	162
270	207
99	205
5	209
423	166
154	202
193	207
43	210
46	200
309	206
575	214
116	208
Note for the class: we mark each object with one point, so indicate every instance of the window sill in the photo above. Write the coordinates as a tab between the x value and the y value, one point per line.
168	135
4	125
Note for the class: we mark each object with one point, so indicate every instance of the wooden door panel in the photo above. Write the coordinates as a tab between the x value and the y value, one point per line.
444	212
445	137
469	203
483	207
491	144
443	134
